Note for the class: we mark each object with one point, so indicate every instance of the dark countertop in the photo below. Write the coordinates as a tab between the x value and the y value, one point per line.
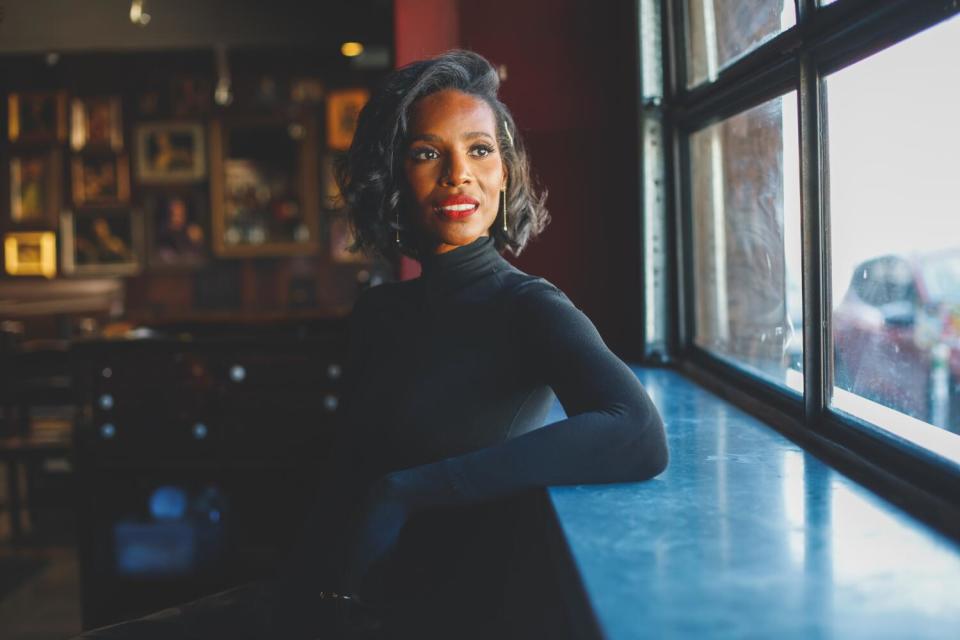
746	535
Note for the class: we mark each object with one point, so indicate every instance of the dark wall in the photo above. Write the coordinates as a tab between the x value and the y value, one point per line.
572	86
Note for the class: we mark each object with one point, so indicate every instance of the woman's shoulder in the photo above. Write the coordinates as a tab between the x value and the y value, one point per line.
524	287
532	292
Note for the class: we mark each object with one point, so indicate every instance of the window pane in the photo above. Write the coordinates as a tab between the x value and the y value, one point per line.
720	31
894	158
745	196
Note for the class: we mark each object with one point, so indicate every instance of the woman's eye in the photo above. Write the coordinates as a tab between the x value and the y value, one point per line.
481	150
424	154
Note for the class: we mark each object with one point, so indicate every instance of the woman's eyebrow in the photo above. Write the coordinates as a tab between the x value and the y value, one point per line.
469	135
476	134
427	137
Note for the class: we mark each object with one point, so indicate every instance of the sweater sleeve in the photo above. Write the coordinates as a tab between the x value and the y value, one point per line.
613	432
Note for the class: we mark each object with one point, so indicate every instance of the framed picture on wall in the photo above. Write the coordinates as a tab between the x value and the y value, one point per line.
95	123
190	95
101	241
30	253
176	224
170	152
37	116
35	188
264	197
101	181
343	109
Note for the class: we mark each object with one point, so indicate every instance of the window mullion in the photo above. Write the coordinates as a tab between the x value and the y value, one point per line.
815	259
654	248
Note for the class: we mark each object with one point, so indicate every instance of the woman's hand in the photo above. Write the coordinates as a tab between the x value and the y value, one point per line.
377	528
387	508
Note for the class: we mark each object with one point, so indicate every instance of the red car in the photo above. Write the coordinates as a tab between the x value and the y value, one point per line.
897	335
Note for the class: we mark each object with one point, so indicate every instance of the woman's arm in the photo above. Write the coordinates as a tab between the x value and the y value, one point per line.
613	432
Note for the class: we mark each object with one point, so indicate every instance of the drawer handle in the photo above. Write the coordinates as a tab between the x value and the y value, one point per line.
238	373
334	371
107	431
106	402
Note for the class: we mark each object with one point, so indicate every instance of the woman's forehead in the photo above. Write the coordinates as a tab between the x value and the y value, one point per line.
451	111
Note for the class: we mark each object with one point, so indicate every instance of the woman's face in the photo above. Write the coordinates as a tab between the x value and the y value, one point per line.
454	169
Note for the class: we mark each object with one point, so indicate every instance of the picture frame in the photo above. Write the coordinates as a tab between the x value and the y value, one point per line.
177	229
35	180
190	95
100	180
37	116
343	110
264	193
30	253
101	242
170	152
96	123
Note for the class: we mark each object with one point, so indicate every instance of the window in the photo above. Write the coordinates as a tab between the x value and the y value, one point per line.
721	31
895	236
813	152
745	201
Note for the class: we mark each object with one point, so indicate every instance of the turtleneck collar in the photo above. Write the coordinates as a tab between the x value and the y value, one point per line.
454	269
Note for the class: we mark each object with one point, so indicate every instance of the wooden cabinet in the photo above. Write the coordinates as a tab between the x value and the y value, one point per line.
195	458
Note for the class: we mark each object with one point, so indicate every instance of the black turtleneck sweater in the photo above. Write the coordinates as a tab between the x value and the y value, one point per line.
454	370
449	381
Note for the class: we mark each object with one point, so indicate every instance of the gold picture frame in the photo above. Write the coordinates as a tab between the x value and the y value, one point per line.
96	122
101	242
264	192
37	116
30	253
35	187
101	181
343	109
170	153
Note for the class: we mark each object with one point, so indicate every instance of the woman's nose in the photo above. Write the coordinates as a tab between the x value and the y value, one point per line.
456	171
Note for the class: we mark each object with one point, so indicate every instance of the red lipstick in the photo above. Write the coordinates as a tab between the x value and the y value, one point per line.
457	207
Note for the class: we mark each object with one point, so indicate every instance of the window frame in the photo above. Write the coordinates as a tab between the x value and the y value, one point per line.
823	40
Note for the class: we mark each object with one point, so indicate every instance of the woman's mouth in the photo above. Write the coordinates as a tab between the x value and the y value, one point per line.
457	207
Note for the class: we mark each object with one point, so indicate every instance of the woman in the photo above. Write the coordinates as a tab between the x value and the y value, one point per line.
451	374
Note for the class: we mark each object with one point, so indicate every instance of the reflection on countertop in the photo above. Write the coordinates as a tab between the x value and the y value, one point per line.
747	535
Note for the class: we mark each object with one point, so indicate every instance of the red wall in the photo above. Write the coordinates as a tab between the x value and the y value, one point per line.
571	84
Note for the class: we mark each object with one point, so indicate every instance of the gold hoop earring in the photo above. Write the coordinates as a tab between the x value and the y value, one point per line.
503	206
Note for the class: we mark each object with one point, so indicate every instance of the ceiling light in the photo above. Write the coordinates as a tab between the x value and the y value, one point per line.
138	16
351	49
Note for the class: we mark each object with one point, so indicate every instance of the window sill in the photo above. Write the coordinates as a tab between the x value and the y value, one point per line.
747	534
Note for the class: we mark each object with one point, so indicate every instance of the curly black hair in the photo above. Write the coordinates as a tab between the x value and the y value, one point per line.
370	175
